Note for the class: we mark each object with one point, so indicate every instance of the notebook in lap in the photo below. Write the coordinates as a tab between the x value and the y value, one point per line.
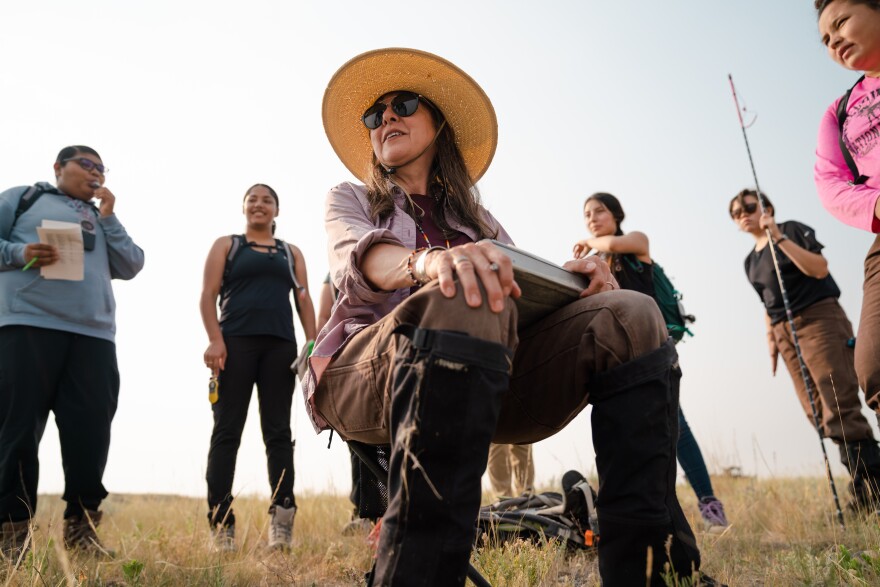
545	286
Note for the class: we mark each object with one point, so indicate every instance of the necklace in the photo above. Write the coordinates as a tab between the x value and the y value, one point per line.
425	235
417	215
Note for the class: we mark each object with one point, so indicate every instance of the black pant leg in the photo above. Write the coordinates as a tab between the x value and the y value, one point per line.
230	413
445	402
88	394
635	431
31	360
275	386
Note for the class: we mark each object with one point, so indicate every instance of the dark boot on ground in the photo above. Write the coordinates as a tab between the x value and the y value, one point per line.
15	540
862	460
445	402
635	432
80	533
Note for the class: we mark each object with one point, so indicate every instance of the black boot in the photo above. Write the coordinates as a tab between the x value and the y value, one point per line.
862	460
445	401
635	431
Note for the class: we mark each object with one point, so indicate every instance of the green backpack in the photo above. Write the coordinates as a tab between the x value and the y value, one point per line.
669	300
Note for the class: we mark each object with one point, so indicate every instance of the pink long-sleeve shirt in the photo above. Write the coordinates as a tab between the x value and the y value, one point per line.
851	204
350	233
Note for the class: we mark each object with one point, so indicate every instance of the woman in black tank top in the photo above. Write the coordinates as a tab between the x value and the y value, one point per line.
628	254
253	342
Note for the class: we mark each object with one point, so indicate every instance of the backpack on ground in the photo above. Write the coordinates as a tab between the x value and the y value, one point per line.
239	241
569	517
668	298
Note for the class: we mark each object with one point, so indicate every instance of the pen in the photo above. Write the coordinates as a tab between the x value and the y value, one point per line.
30	263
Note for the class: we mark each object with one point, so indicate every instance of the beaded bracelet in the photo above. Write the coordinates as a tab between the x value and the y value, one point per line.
420	272
409	267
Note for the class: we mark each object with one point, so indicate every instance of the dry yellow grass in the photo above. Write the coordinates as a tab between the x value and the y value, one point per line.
783	533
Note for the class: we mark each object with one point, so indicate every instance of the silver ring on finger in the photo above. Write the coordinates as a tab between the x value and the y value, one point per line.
460	259
609	283
493	266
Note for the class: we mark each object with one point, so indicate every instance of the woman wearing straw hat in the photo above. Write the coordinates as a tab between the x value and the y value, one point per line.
422	348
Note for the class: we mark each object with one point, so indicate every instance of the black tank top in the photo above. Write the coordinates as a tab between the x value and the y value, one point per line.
256	298
634	274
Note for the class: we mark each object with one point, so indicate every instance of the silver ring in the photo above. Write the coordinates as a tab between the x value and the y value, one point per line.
609	283
493	266
456	260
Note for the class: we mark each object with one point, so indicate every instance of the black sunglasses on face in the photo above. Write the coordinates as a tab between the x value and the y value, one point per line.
87	164
403	104
746	210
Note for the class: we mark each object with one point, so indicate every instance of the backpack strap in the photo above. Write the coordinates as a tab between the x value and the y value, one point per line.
841	118
633	262
30	195
288	253
238	241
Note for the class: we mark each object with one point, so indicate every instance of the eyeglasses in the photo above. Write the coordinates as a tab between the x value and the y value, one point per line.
88	164
746	210
403	104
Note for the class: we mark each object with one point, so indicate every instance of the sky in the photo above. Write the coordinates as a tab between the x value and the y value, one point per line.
190	103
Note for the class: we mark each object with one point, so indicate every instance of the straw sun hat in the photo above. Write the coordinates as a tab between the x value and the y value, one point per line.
360	82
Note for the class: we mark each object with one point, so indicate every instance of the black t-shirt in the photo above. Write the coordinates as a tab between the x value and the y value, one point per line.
803	291
257	295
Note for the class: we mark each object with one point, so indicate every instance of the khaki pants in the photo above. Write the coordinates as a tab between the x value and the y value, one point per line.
511	469
823	331
868	341
557	356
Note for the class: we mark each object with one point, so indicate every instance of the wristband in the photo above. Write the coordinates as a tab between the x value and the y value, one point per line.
420	272
780	239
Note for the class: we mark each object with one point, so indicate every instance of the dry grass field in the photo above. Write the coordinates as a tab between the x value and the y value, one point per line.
783	533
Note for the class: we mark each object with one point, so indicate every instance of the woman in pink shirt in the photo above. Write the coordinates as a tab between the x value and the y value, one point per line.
847	168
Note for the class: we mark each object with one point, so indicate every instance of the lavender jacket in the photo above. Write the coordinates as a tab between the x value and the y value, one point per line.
350	233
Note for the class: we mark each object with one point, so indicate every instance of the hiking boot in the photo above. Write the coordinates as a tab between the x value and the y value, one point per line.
15	540
712	511
281	525
222	538
80	534
862	459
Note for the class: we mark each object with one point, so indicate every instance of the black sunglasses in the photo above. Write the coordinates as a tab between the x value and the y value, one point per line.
746	210
403	104
87	164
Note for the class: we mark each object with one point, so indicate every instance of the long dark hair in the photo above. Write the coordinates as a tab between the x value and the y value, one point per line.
449	185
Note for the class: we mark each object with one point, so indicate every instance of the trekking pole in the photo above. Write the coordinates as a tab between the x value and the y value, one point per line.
808	382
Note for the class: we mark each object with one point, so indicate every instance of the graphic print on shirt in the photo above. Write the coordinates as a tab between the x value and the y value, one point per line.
87	217
861	129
